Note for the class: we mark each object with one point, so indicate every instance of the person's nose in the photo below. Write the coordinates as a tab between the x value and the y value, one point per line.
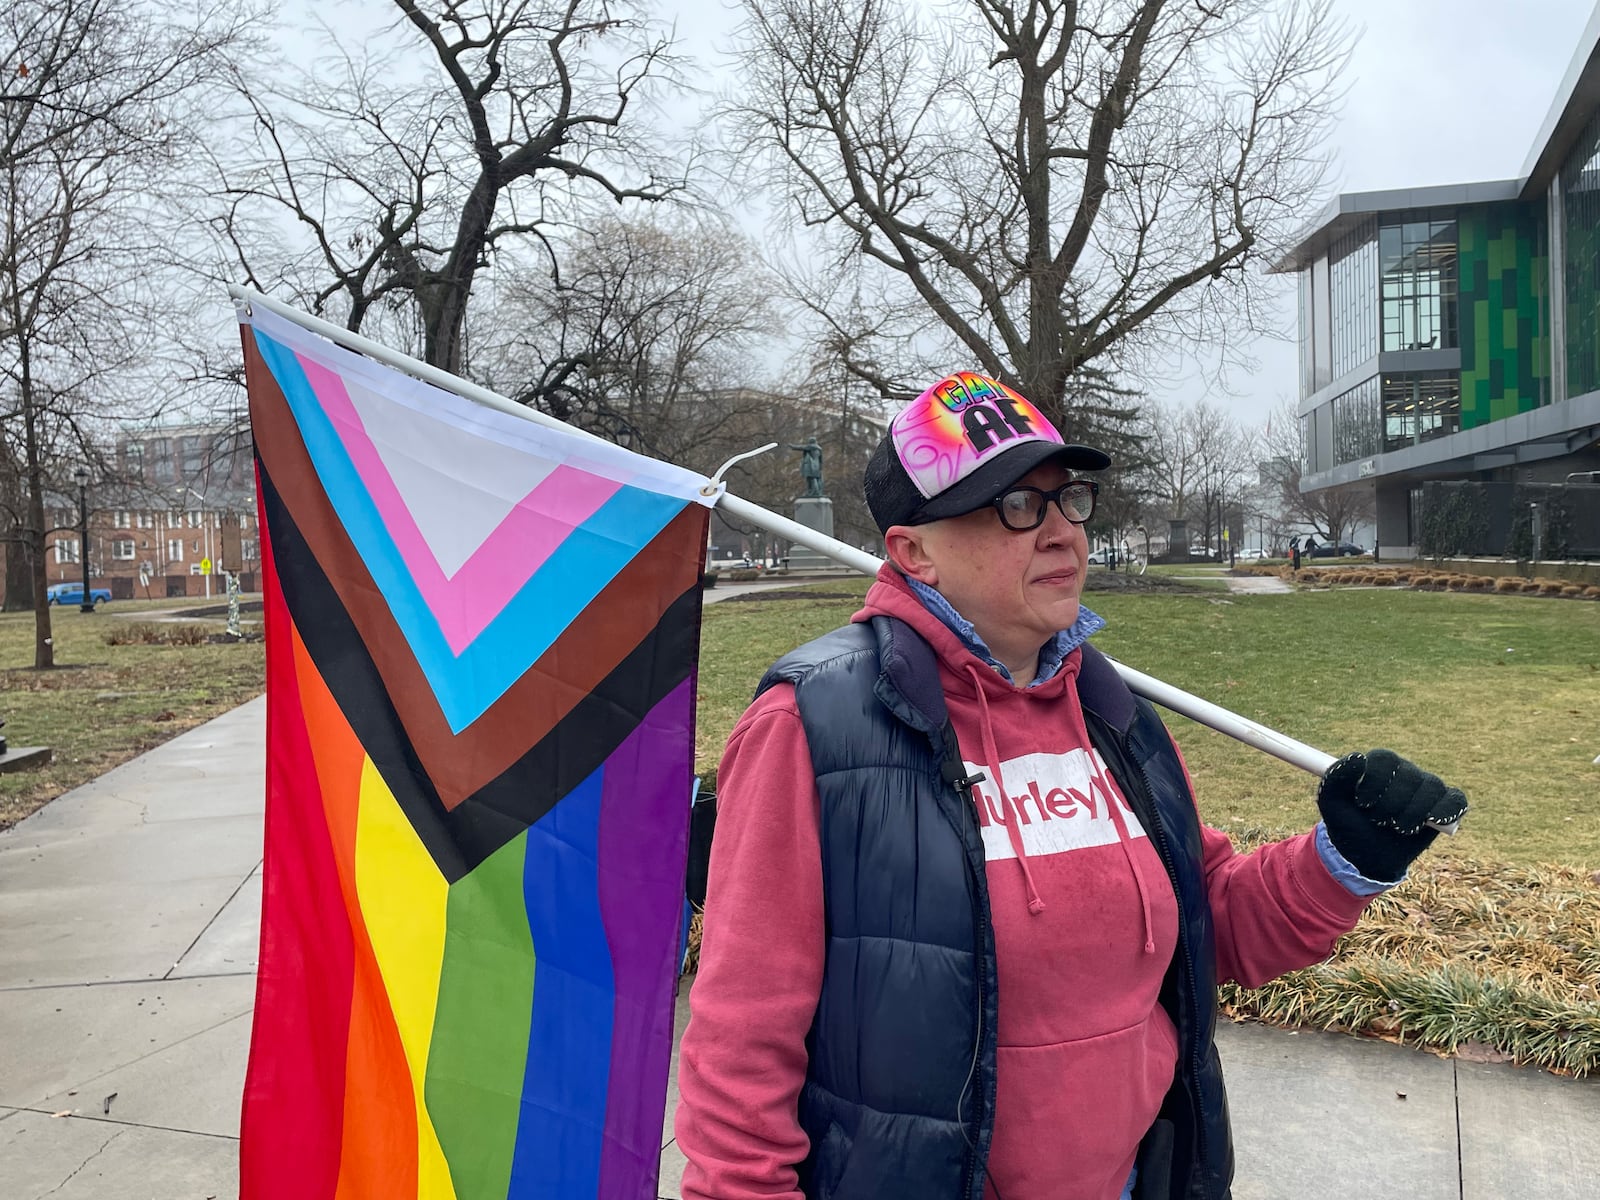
1056	530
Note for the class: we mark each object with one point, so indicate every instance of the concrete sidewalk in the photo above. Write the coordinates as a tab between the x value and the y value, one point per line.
128	919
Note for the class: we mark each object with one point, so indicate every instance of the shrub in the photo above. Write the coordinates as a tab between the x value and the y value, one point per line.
1454	519
151	634
1571	589
1463	951
1550	587
1508	583
1592	592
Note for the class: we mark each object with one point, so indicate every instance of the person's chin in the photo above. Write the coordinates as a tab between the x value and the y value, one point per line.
1063	600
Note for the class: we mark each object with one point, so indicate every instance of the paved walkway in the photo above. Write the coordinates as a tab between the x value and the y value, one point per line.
128	921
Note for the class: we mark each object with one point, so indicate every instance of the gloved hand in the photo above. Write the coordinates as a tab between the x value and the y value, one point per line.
1377	807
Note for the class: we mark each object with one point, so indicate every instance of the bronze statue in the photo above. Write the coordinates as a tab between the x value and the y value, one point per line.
811	467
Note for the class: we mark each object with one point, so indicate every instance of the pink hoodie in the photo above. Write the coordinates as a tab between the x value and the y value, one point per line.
1085	925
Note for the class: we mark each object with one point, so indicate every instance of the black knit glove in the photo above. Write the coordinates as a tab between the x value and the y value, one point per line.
1378	808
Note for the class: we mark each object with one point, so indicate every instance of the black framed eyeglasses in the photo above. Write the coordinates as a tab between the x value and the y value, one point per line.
1023	507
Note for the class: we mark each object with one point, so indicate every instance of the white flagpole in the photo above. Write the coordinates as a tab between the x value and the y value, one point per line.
1251	733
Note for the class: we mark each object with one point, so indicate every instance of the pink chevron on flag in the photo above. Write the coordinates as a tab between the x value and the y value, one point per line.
464	603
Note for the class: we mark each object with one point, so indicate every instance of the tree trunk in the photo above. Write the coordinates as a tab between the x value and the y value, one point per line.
19	573
445	310
44	650
44	654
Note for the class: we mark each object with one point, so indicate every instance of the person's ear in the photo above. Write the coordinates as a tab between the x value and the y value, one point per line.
907	547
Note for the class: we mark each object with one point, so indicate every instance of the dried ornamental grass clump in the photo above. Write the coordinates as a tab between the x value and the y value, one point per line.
1550	587
1507	583
1463	952
691	951
1592	592
152	634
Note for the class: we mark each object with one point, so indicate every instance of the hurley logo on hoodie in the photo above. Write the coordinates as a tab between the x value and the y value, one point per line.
1062	802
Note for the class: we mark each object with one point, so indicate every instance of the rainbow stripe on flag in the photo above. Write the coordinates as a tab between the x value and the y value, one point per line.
481	647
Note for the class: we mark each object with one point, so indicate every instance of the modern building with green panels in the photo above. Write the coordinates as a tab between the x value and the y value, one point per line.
1453	333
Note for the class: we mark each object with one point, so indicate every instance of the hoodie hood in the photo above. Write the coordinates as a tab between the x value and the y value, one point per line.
977	688
893	595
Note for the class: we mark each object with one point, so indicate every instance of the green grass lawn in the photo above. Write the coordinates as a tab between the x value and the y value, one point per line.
1494	941
104	704
1498	694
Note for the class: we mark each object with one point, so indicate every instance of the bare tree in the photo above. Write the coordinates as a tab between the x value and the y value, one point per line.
1202	465
1332	512
95	112
1039	186
406	190
651	336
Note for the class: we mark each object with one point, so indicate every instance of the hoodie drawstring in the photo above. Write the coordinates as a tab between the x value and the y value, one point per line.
991	752
1013	821
1133	865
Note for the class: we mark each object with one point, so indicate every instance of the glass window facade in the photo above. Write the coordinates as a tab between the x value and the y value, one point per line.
1353	287
1417	260
1357	423
1308	356
1418	408
1580	203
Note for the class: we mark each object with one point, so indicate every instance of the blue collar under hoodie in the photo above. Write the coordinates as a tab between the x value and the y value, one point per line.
1051	655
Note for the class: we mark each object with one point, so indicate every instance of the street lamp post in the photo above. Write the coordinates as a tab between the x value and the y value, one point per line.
82	476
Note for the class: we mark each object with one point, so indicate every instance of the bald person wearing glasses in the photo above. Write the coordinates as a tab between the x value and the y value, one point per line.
964	925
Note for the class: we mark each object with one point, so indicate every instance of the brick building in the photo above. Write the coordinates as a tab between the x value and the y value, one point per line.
185	501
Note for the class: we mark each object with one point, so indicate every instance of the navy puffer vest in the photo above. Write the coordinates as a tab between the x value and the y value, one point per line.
899	1093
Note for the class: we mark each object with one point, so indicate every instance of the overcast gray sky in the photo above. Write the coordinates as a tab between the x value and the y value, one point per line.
1440	91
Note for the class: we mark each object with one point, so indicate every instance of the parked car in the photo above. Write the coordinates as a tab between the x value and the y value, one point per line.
1102	556
1251	552
1336	550
72	593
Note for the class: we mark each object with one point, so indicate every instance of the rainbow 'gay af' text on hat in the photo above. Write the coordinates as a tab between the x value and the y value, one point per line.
957	446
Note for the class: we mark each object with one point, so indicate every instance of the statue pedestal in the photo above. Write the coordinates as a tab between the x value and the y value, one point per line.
814	512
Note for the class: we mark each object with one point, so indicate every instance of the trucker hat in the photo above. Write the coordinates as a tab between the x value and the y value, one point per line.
957	446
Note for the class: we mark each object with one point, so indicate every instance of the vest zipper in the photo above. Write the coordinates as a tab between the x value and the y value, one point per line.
979	936
1165	850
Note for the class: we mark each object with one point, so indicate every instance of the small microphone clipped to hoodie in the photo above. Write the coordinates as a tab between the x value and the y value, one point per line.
955	778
